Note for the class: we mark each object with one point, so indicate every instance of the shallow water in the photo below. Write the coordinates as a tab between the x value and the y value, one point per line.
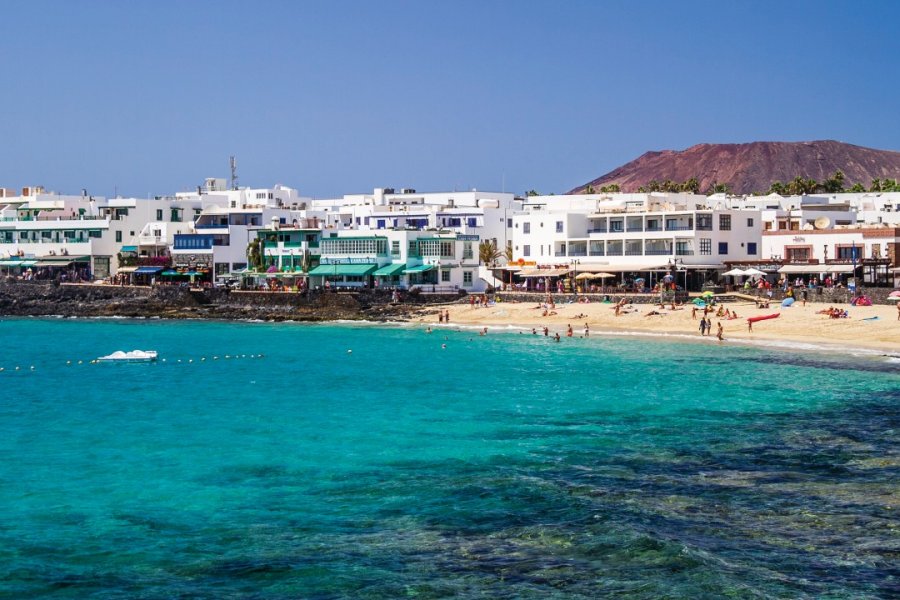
504	466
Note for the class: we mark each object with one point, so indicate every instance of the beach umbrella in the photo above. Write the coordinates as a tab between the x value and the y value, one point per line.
699	302
787	302
706	294
894	294
892	298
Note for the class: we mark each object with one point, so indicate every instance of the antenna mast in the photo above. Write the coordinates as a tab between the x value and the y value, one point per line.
234	176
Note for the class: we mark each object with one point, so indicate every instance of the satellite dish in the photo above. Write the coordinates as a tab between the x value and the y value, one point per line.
822	222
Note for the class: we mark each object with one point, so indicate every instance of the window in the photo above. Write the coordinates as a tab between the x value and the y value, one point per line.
395	248
751	248
509	223
118	236
526	250
354	246
705	246
467	250
472	222
750	222
443	248
467	278
723	247
445	275
724	223
559	227
526	227
380	224
95	233
876	250
159	214
847	252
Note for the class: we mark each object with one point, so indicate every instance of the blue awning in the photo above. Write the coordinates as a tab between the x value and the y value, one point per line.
129	248
148	270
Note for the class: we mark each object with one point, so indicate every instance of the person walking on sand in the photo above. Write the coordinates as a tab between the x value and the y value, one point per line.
694	312
702	326
721	331
749	325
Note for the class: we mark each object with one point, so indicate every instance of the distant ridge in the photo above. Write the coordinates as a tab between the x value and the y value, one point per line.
753	167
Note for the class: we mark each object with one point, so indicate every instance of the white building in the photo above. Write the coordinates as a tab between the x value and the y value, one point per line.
634	233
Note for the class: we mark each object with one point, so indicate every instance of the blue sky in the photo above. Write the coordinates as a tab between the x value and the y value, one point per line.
338	97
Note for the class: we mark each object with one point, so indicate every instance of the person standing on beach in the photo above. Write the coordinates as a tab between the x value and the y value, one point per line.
694	312
721	331
708	326
702	326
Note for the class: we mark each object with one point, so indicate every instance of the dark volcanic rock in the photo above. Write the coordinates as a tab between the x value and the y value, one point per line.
20	298
749	168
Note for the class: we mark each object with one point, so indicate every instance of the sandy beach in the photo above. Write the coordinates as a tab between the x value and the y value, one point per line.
871	327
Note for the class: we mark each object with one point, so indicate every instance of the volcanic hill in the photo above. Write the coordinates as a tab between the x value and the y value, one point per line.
753	167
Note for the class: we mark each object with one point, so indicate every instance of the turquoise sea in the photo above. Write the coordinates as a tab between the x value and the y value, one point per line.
505	466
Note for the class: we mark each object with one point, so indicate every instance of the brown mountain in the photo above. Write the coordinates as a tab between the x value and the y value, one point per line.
748	168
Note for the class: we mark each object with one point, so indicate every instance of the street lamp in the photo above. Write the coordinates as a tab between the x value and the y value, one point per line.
575	277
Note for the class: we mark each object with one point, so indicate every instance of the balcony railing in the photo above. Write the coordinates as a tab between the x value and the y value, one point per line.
633	253
211	225
679	228
658	252
597	230
684	253
634	228
704	227
653	228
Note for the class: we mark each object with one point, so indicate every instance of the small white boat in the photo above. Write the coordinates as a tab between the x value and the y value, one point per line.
133	356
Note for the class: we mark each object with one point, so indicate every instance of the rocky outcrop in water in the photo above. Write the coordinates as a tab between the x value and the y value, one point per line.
20	298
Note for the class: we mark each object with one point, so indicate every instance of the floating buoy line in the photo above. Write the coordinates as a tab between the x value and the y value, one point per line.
177	361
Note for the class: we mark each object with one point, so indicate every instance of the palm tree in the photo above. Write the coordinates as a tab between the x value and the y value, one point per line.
255	254
488	253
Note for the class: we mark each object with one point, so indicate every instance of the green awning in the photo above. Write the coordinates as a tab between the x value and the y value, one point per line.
419	269
27	263
389	270
332	270
10	263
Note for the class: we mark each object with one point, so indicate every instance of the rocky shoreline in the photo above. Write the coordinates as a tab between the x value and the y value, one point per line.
19	298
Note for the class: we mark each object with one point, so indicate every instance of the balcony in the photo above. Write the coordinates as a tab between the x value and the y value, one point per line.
634	228
704	227
634	252
653	228
597	230
211	225
679	228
